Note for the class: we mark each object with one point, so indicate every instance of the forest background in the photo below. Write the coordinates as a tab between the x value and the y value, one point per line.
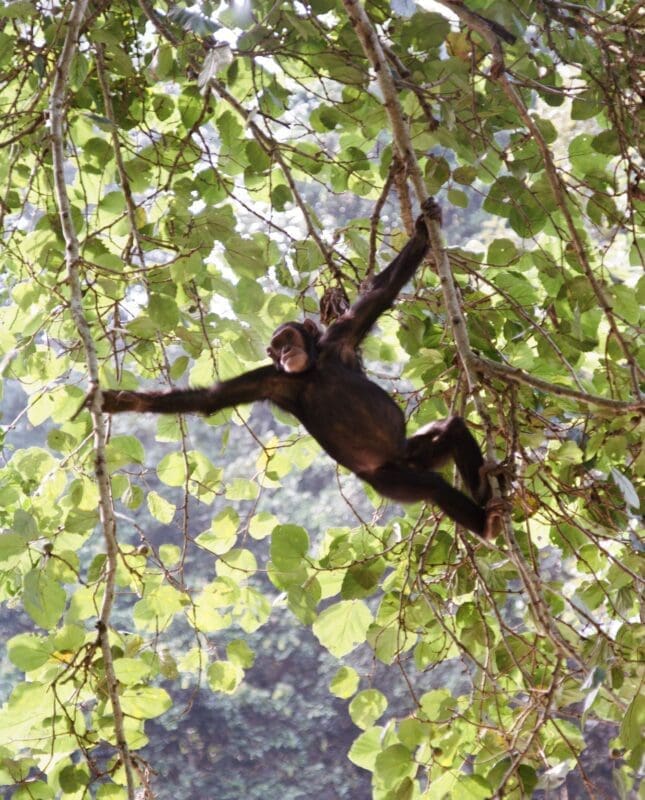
212	608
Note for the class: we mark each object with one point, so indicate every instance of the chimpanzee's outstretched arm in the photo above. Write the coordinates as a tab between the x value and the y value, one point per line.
354	325
259	384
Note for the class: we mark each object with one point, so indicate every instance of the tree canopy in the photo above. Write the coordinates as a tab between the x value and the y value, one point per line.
176	181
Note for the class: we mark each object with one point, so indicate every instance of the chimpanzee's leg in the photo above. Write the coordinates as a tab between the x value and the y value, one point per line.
408	485
438	442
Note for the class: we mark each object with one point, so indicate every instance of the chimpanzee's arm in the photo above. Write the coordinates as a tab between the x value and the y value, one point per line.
354	325
259	384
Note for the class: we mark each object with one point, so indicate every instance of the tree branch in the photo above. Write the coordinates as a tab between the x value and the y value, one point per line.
130	205
512	374
400	134
57	112
558	187
374	52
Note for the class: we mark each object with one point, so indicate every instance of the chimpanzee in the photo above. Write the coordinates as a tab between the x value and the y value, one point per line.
318	377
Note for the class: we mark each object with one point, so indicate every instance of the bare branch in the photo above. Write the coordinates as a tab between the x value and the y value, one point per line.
57	112
516	375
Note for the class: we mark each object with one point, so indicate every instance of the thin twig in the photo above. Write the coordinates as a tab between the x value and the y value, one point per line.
130	205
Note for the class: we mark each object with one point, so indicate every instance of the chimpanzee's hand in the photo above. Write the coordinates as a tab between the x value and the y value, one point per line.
432	210
496	509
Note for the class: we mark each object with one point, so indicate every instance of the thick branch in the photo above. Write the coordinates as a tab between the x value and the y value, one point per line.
374	52
516	375
57	113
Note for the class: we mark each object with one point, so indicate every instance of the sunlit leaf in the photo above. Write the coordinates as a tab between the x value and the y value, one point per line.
343	626
44	599
28	651
225	676
367	707
145	702
345	682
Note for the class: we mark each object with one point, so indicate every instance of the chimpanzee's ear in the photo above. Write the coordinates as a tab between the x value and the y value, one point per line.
312	329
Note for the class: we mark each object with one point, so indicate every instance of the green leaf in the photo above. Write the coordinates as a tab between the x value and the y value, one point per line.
240	653
518	287
237	564
289	546
633	722
501	252
11	544
44	599
28	651
222	535
130	670
344	683
145	702
123	450
343	626
394	764
160	508
257	157
249	297
438	705
472	787
280	197
69	638
163	311
169	554
18	9
225	676
607	142
242	489
35	790
113	202
458	198
361	580
171	470
366	748
229	129
465	175
367	707
262	524
303	593
163	106
157	609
